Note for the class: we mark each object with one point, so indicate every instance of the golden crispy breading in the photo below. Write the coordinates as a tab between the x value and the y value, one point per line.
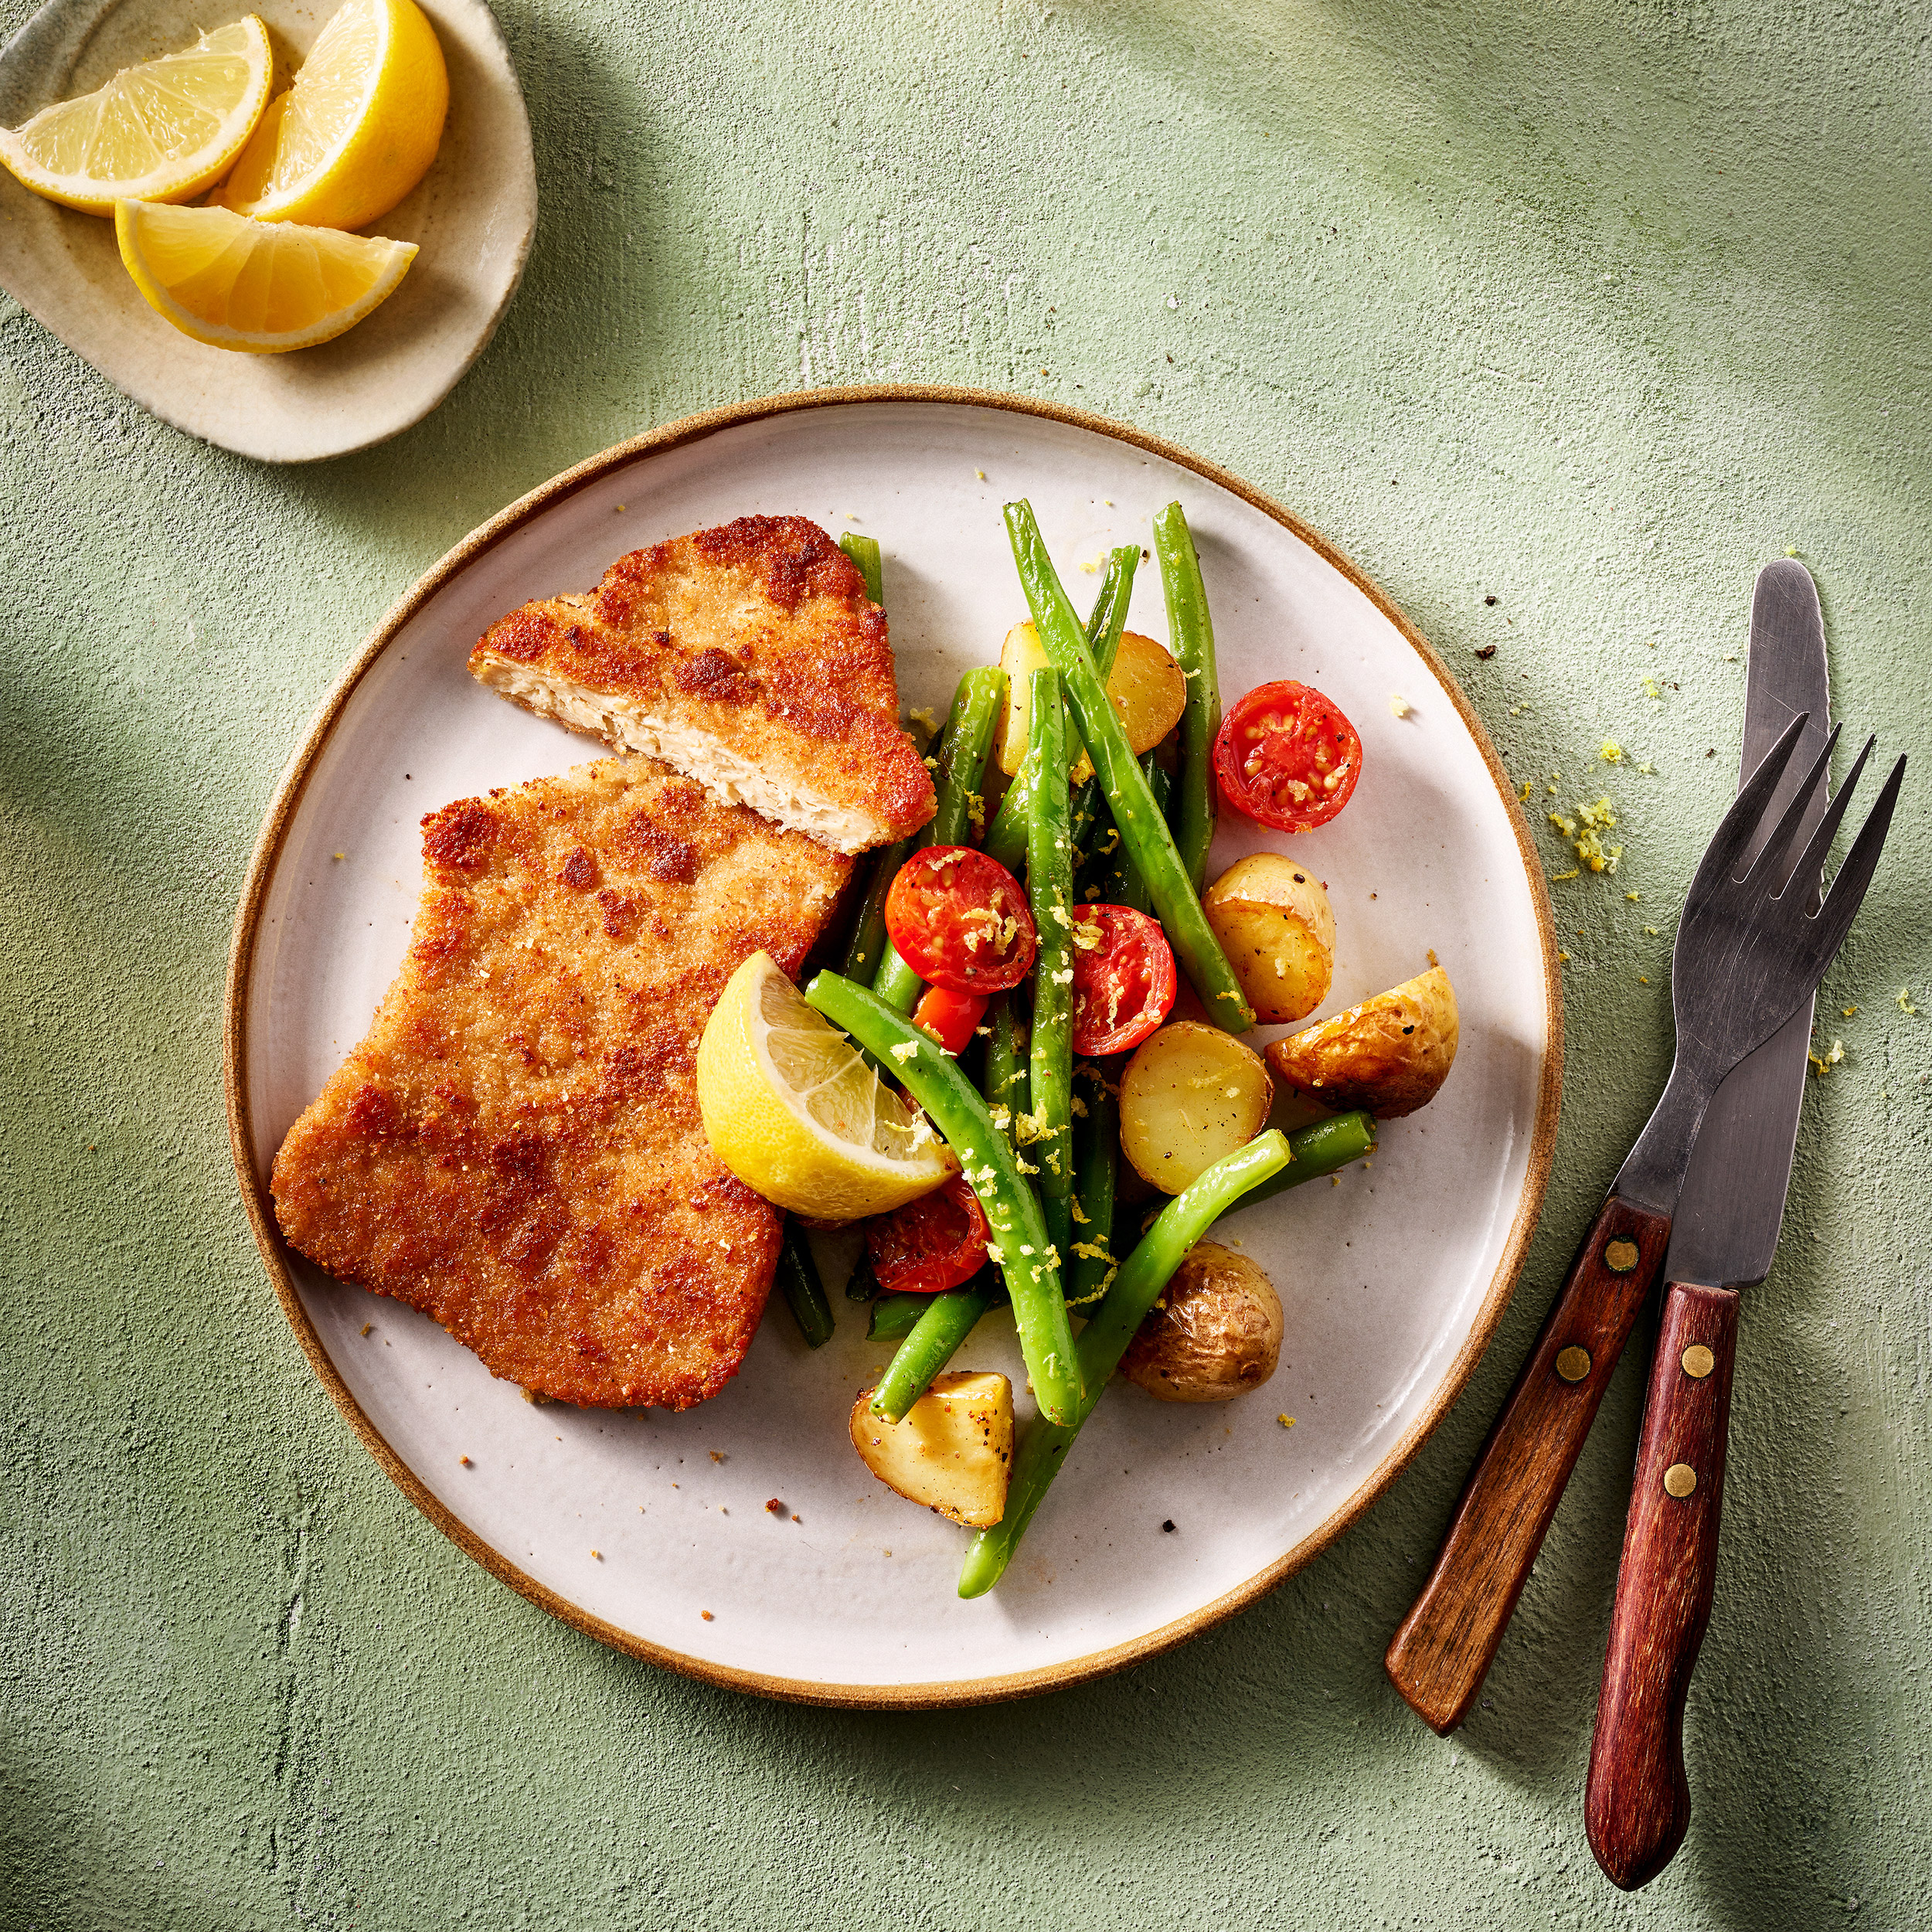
515	1149
747	657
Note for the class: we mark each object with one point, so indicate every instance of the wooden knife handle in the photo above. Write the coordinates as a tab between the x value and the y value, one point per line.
1638	1806
1438	1659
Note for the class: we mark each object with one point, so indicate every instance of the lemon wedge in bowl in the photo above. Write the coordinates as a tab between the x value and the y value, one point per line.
795	1113
358	128
260	286
162	131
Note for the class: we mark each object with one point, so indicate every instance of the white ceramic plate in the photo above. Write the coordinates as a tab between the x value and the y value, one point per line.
633	1524
472	214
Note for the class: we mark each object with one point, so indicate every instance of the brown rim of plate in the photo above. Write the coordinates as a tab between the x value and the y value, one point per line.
255	1194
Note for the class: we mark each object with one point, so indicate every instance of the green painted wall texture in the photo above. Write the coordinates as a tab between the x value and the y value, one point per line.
1588	305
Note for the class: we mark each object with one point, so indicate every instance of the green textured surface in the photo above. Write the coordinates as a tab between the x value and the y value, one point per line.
1591	307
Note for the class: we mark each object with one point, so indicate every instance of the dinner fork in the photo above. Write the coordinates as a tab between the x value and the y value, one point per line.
1752	944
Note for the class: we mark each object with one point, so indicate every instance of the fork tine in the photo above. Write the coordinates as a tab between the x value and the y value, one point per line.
1810	865
1847	894
1770	861
1734	829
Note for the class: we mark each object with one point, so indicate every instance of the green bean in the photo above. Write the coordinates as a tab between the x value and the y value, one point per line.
1006	837
1104	1340
1142	827
1095	878
1083	814
1019	1241
1313	1151
798	1276
1049	887
1318	1150
1165	1246
1056	1211
949	1318
1192	631
1006	841
864	552
894	1316
1007	1055
861	1284
867	946
962	760
1107	620
1106	624
1097	1143
1160	784
1119	883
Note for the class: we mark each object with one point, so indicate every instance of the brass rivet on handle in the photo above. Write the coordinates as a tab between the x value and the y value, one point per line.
1621	1257
1698	1361
1679	1480
1573	1363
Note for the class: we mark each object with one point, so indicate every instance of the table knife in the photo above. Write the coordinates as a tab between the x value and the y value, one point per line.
1722	1240
1442	1649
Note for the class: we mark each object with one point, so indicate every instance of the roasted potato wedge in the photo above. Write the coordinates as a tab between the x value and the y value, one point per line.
1215	1333
1274	923
954	1452
1191	1094
1390	1054
1147	686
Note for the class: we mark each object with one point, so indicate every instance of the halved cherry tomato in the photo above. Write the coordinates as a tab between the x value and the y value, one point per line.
1286	757
1123	982
959	920
936	1242
950	1017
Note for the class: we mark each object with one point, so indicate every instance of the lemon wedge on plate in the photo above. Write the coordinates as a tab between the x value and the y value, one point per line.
358	128
258	286
790	1108
161	131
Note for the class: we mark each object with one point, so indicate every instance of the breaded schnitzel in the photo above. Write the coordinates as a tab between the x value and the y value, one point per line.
515	1149
747	657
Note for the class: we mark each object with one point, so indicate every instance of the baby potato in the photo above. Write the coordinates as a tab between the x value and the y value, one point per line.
1274	923
1190	1095
1147	687
1390	1055
1215	1333
954	1451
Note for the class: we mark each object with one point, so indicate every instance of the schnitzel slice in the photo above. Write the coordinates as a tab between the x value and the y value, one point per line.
515	1149
749	657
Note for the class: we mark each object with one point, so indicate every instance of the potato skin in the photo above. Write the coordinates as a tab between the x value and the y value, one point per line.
1390	1055
1274	921
1215	1334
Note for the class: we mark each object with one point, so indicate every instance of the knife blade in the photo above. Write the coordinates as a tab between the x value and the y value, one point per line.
1732	1203
1637	1806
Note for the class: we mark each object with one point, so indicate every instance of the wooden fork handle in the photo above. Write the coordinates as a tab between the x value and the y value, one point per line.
1439	1656
1638	1805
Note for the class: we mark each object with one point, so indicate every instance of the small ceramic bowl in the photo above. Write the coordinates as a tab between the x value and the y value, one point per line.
472	215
